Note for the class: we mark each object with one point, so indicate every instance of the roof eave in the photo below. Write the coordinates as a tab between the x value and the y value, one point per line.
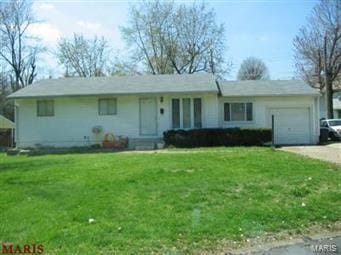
270	95
110	94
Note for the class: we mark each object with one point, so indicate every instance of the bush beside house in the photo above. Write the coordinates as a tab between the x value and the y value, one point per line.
216	137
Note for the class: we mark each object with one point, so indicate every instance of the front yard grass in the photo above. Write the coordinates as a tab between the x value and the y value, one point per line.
181	202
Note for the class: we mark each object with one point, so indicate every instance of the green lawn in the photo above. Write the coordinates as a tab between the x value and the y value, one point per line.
175	203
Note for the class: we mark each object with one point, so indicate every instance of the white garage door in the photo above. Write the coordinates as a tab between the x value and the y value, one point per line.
292	125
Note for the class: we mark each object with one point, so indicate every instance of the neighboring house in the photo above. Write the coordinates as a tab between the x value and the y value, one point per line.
336	101
6	123
6	132
62	112
337	105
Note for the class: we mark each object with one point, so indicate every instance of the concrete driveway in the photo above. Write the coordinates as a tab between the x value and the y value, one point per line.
330	152
327	246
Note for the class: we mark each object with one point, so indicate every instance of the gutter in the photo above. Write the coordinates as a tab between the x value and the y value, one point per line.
109	94
273	95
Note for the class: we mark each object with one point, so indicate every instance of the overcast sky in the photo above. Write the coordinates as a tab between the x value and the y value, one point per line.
263	29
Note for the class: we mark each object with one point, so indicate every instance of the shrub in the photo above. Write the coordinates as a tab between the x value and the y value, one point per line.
217	137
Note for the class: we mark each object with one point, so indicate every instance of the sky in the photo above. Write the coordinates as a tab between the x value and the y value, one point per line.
264	29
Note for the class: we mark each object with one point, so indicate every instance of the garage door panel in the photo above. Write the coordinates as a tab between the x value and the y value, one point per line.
292	125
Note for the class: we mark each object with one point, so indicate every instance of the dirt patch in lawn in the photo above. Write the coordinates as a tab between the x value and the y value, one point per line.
176	151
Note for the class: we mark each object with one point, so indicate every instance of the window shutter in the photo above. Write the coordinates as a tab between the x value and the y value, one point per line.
249	112
227	112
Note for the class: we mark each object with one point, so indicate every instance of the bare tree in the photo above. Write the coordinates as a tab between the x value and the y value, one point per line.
253	69
122	67
172	38
18	49
6	105
83	57
200	41
318	49
146	34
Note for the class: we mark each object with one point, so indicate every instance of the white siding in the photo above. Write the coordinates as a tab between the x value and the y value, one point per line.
76	116
261	111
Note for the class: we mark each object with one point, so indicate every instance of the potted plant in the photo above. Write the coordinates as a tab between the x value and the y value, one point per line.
109	141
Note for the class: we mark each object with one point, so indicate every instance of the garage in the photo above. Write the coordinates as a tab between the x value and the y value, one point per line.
294	104
291	125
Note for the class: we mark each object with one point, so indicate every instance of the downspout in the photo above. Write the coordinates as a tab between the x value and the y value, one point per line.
16	122
218	87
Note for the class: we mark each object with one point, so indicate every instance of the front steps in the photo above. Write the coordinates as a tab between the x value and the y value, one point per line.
144	143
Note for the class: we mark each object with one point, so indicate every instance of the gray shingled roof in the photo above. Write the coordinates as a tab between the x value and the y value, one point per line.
119	85
266	88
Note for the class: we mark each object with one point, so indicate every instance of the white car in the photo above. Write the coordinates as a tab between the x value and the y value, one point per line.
334	128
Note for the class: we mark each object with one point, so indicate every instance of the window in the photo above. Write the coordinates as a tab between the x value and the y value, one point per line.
238	112
107	106
176	113
45	108
197	112
186	113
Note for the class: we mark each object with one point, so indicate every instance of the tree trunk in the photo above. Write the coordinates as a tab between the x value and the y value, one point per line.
328	83
329	99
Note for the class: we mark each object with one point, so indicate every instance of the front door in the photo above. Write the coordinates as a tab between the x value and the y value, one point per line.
148	116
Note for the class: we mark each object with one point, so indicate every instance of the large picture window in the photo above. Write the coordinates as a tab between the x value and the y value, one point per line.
238	112
45	108
107	106
186	113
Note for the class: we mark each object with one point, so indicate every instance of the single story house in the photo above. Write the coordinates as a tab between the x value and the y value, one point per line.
63	112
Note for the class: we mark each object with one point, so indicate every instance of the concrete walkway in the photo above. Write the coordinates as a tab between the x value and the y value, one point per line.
330	152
